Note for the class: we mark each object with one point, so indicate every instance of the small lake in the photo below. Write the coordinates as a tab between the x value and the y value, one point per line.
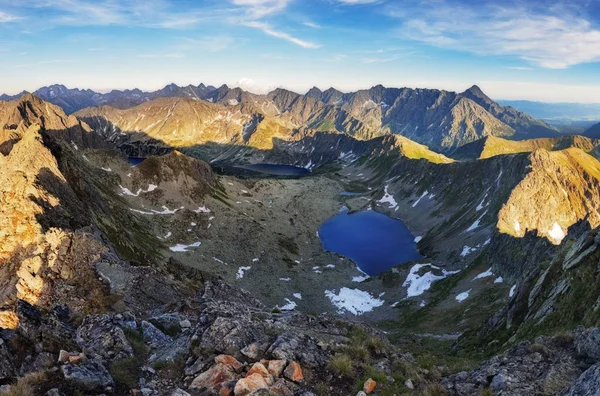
374	241
275	169
135	160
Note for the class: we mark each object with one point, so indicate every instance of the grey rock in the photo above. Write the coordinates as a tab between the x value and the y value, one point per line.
90	376
153	335
7	368
171	351
588	384
100	336
587	344
54	392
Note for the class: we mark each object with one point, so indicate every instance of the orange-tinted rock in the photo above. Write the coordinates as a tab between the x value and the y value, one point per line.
293	372
230	361
250	384
258	368
369	385
213	378
276	367
75	359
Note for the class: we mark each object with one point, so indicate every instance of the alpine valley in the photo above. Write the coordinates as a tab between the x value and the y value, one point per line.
173	243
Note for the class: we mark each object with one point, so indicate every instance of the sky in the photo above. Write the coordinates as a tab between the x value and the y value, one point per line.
513	49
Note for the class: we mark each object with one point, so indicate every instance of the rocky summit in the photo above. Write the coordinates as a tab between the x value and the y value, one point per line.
169	243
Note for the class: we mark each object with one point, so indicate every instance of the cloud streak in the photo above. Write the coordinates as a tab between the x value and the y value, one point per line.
267	29
554	38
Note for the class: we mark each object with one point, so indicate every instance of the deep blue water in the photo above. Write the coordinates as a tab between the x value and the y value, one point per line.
374	241
135	160
279	170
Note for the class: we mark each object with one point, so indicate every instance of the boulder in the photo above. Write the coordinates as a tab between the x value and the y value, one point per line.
276	367
153	336
99	336
230	361
250	384
91	376
293	372
213	378
587	344
587	384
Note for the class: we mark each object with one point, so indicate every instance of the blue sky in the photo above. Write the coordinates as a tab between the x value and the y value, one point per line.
514	49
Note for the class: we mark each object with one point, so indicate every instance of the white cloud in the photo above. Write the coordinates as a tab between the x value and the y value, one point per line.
556	38
267	29
162	56
257	9
380	60
208	43
518	68
5	18
312	25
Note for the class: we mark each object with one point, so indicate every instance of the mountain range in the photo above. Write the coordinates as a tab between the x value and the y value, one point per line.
440	119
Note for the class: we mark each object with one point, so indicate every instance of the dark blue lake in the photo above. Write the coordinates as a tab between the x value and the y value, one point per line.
374	241
279	170
135	160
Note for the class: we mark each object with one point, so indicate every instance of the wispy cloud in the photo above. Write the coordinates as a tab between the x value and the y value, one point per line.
380	60
518	68
162	56
555	37
207	43
5	17
254	13
257	9
312	25
267	29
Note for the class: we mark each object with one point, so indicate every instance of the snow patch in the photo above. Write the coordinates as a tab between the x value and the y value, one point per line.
202	209
498	280
297	295
354	301
388	198
240	272
484	274
420	198
290	306
463	296
184	248
417	239
417	284
512	291
360	278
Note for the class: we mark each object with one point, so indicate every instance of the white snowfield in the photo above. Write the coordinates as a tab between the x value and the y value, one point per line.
126	191
202	209
512	291
354	301
463	296
388	198
241	271
184	248
420	198
484	274
417	284
291	305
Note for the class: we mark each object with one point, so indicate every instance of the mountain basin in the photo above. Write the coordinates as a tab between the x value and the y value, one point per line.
374	241
276	169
